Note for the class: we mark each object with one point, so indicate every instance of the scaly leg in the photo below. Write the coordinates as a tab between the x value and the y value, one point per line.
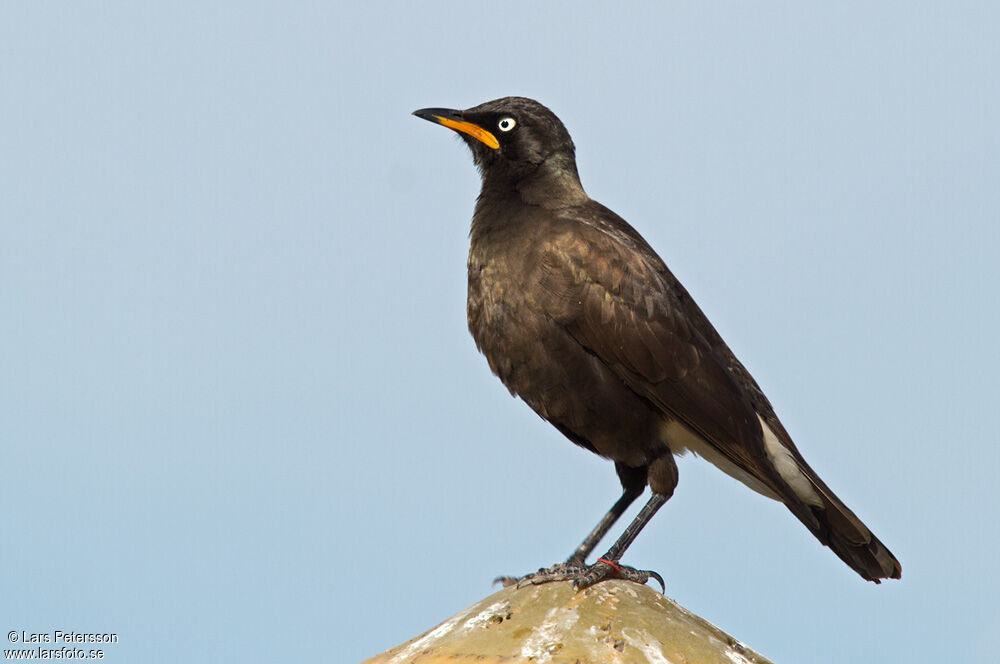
662	474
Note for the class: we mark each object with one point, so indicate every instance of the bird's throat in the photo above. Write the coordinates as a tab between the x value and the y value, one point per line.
553	184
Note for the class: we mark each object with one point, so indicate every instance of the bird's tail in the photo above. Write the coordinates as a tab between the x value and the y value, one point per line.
836	526
826	516
841	530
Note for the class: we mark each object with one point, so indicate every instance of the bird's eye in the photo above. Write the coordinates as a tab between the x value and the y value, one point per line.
506	124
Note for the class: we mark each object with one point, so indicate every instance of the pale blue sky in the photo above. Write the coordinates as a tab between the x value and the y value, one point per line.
241	416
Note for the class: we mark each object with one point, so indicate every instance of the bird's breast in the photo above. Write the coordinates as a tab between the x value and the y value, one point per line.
540	362
499	321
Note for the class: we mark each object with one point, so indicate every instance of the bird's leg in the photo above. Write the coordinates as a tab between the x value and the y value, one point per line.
662	477
628	497
575	564
633	481
607	565
633	484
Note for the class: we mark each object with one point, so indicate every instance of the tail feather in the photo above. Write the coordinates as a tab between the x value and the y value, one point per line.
869	558
836	526
815	505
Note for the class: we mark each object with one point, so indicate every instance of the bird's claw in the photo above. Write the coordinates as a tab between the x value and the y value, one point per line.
582	576
604	569
558	572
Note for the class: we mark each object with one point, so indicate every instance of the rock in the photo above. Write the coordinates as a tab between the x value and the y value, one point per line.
609	623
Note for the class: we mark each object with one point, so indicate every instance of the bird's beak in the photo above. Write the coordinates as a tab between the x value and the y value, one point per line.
452	119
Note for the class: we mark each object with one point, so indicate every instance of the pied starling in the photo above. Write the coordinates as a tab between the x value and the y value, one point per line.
580	318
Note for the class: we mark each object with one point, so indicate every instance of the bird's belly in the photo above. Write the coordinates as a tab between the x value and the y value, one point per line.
538	361
681	439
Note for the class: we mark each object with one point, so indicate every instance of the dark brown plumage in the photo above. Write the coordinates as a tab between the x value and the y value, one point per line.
580	318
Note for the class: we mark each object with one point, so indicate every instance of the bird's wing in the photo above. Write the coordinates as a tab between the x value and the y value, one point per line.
611	292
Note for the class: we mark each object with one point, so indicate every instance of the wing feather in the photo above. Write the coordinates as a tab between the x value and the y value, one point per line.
619	301
616	298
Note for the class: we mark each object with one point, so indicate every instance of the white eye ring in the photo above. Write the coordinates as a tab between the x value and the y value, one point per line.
506	124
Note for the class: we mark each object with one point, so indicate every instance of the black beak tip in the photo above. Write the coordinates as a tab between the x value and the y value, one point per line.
432	114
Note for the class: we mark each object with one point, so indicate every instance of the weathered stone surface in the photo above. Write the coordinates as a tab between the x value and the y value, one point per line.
613	622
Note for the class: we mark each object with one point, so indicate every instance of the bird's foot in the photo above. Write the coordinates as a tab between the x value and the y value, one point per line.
582	576
558	572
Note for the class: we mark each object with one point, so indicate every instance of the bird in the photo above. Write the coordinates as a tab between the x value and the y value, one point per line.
581	319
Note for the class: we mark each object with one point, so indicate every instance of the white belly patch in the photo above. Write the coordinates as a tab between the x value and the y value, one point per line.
681	439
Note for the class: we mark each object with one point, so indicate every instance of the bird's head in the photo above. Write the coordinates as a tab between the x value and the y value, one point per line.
510	138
